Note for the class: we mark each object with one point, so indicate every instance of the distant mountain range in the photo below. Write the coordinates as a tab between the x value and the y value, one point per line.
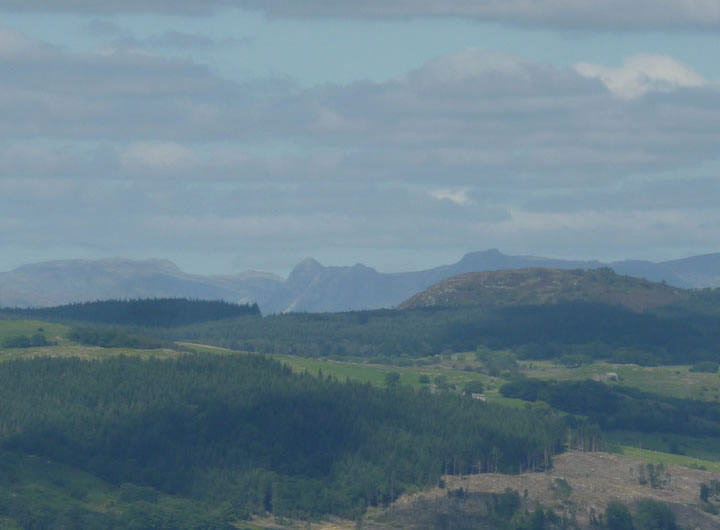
310	287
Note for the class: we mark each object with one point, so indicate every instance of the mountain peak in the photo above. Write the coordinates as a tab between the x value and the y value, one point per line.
309	264
305	271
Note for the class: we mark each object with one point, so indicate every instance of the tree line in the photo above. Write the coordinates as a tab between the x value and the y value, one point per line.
152	312
616	407
553	331
573	331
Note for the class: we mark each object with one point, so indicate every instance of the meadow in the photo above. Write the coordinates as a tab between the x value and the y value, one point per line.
656	457
673	381
13	328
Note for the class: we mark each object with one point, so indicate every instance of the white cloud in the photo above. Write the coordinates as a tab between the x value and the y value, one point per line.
462	115
641	74
455	195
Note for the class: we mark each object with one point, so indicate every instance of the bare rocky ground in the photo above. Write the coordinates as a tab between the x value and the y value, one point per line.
594	478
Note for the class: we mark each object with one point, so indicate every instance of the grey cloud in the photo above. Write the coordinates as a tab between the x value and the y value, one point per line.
151	216
120	94
183	7
164	154
659	194
472	117
179	40
571	14
104	27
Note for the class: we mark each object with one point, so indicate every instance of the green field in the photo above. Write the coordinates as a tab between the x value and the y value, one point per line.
83	352
64	348
667	459
375	373
13	328
696	447
675	381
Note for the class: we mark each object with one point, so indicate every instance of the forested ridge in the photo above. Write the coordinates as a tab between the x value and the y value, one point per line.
152	312
669	335
245	430
534	332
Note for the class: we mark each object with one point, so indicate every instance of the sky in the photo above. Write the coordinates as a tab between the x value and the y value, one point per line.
228	135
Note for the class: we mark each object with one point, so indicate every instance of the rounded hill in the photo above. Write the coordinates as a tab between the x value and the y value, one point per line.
546	286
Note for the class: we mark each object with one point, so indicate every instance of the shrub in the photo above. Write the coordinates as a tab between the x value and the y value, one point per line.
473	387
618	517
654	515
38	340
132	493
20	341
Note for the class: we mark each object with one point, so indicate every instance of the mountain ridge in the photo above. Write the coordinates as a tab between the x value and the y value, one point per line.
310	287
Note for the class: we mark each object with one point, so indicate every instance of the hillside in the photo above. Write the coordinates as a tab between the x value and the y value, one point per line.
546	286
593	480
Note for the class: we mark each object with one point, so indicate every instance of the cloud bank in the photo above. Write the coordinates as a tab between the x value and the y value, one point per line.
124	150
570	14
473	117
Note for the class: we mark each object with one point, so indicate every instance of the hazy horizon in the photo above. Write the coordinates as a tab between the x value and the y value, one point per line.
440	260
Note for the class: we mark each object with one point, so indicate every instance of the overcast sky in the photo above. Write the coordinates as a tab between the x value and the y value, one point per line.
248	134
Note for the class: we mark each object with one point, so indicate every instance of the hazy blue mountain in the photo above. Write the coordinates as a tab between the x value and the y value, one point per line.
698	271
310	287
60	282
314	288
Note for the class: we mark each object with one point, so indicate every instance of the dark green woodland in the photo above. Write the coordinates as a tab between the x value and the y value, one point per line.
246	431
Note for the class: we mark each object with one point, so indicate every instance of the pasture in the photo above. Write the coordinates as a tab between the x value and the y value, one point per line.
674	381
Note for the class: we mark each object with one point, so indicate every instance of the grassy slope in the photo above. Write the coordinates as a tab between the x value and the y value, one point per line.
366	372
675	381
13	328
64	348
656	457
